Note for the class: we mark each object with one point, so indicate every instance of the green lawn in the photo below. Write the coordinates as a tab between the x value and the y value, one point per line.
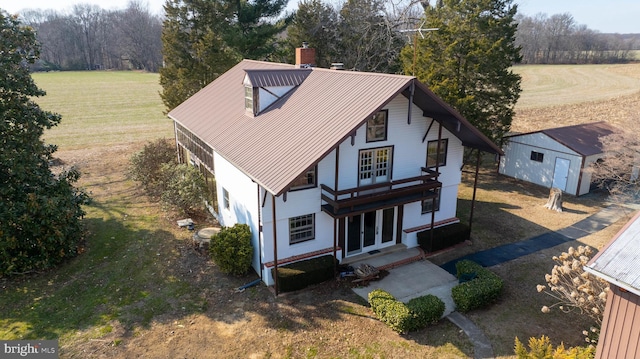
103	108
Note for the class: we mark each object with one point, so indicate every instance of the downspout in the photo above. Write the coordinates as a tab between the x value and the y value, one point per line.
475	187
275	245
335	220
413	86
259	232
175	135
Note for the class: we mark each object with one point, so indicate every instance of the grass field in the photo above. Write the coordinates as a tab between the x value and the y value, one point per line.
554	85
103	108
141	290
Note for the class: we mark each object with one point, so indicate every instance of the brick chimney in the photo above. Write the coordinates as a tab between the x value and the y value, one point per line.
305	56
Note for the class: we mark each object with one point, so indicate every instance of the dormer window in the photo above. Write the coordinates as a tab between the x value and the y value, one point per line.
250	99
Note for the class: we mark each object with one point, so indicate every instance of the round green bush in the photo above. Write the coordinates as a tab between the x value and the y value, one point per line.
231	249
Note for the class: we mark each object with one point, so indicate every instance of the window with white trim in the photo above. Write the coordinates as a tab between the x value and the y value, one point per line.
302	228
250	99
225	199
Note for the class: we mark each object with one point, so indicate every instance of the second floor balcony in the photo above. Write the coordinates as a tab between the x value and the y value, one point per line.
353	201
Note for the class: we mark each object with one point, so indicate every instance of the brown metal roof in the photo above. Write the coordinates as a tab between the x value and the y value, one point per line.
298	130
584	138
269	78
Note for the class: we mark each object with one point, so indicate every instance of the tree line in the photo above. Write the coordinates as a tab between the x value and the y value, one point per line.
91	38
558	39
362	34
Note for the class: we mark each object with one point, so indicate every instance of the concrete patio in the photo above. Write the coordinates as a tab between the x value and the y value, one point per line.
409	277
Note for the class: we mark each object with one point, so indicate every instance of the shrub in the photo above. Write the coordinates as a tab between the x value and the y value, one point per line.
403	318
485	288
542	348
231	249
184	187
146	165
428	309
443	237
301	274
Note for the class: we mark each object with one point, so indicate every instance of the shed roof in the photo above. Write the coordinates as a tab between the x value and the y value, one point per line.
294	133
619	261
583	138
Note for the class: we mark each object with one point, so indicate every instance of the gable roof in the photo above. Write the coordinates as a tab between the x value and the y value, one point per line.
294	133
619	261
583	139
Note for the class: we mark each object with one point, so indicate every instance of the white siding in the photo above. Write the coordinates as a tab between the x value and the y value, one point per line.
266	98
409	156
243	201
517	161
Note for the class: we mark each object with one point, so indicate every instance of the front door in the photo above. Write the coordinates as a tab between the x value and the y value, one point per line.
560	174
370	230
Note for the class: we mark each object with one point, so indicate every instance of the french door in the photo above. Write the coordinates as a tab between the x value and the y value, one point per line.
374	166
370	230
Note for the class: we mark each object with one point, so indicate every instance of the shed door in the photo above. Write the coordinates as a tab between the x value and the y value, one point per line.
560	174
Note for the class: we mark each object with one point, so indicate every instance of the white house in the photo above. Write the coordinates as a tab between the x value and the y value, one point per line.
320	161
556	157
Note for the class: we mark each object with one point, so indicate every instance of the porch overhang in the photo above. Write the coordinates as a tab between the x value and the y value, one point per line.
354	201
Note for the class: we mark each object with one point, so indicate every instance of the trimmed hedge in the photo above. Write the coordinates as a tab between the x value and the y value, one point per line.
443	237
301	274
403	318
428	309
483	289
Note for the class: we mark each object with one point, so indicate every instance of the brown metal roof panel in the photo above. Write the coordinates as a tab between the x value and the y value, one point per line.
583	138
296	131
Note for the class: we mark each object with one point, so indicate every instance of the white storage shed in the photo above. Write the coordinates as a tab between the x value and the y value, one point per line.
556	157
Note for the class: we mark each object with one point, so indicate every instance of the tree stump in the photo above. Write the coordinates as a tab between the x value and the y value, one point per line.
555	200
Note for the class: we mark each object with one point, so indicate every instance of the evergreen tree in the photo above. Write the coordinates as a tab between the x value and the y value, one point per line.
467	61
194	51
40	212
315	23
202	39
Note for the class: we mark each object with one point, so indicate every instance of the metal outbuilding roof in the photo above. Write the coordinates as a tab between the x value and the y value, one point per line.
583	139
294	133
619	261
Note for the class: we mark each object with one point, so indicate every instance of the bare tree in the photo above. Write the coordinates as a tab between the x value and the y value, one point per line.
558	39
140	36
86	16
618	170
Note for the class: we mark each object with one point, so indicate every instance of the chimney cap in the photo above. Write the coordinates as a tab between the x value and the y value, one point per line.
337	66
305	45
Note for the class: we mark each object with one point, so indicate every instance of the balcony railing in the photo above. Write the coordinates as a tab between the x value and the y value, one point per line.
361	199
